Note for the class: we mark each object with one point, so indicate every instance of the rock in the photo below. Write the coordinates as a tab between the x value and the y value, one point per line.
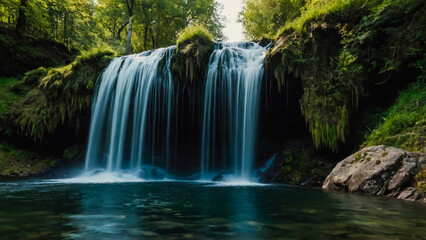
218	177
378	170
299	162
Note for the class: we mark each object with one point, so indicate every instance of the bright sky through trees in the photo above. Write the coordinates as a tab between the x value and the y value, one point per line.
233	30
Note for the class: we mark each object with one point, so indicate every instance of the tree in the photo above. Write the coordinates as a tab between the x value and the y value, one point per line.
130	6
265	17
22	17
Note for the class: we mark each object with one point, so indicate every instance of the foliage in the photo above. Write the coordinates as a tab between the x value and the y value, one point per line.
7	96
194	33
23	53
75	152
421	180
32	78
61	95
18	162
84	24
194	46
340	52
316	9
263	18
405	124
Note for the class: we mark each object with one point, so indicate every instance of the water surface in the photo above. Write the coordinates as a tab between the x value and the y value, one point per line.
179	210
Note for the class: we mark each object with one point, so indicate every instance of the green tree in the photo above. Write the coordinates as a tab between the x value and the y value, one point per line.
265	17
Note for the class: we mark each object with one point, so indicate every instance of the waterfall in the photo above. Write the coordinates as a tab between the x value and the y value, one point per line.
231	105
132	114
142	119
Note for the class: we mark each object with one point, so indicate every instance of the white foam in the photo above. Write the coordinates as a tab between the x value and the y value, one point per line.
102	177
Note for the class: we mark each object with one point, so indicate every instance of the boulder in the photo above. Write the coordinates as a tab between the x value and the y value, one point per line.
378	170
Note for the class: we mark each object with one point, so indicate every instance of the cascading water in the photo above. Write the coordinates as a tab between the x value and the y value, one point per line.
230	109
135	126
132	114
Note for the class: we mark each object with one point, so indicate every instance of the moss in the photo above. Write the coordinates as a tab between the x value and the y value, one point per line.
194	47
384	154
405	125
33	77
368	159
7	97
296	177
358	157
336	48
74	152
288	158
61	95
421	180
378	162
19	162
192	33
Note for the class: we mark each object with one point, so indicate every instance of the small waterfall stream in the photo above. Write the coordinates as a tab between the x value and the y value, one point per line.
133	103
230	109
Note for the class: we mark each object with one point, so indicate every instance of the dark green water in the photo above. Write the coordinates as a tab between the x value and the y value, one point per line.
179	210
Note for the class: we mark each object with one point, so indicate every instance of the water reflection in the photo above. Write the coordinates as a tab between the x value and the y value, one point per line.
167	210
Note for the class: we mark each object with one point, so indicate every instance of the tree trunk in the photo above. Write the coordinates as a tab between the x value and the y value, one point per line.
153	38
22	17
145	37
65	27
130	5
117	37
129	36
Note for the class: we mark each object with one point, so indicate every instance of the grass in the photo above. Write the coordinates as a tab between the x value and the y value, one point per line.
192	33
18	162
405	125
7	97
316	9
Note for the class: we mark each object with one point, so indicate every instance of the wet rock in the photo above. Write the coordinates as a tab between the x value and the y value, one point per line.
218	177
298	163
378	170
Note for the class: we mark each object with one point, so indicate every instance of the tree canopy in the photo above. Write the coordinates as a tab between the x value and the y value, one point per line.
86	23
263	18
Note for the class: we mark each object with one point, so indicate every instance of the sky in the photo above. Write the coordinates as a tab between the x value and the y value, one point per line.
233	30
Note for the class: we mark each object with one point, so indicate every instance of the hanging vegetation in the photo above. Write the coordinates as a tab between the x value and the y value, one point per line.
62	93
340	50
194	47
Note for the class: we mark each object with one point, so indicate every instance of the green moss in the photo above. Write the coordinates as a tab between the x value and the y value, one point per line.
378	162
74	152
288	158
337	49
421	180
18	162
192	33
61	93
194	47
368	159
33	77
405	125
8	97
